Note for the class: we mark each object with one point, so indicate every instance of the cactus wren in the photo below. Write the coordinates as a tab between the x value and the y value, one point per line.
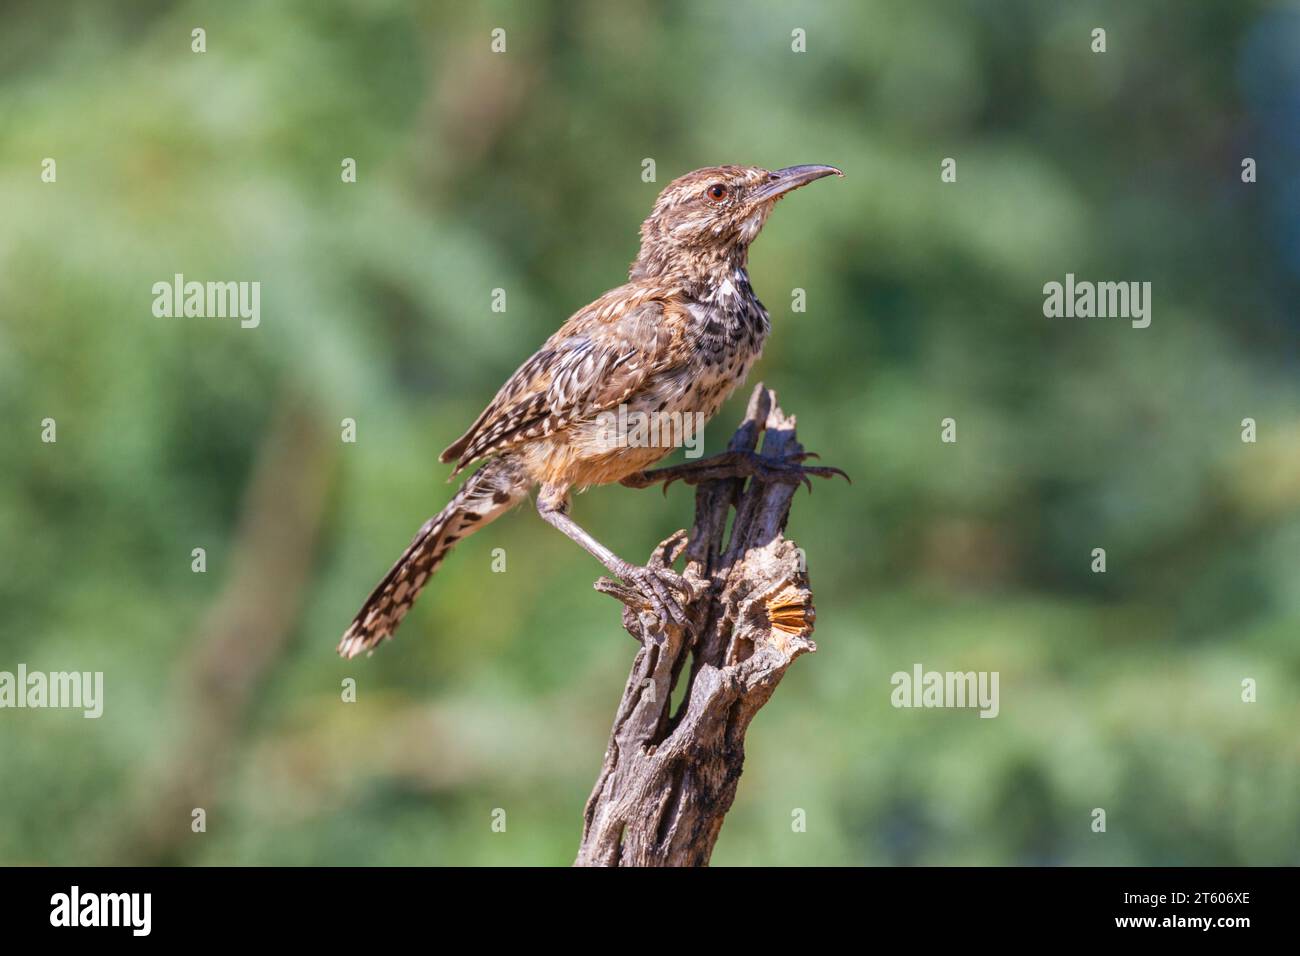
678	337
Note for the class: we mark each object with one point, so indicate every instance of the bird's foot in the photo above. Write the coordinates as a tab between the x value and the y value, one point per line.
739	464
656	587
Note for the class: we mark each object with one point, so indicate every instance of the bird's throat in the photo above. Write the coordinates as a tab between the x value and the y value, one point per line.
697	270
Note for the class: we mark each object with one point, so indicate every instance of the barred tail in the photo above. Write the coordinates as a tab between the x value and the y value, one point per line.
488	493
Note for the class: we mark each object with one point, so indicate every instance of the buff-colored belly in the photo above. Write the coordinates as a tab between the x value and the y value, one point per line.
620	442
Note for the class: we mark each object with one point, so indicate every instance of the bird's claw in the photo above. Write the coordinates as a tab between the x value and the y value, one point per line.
745	464
791	470
656	587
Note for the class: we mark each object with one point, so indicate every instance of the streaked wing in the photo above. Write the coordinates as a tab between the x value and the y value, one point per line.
596	361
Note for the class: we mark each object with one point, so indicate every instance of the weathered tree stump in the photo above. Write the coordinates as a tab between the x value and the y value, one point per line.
668	779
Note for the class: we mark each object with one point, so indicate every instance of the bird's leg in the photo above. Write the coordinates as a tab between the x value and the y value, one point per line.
655	584
737	464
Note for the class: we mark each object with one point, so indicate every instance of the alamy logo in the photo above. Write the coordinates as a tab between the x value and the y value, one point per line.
72	689
1101	300
922	688
209	300
627	428
102	909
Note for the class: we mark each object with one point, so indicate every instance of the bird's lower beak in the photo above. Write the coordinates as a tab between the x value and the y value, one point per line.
792	177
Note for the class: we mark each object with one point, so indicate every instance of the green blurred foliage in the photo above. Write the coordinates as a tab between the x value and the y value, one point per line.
522	171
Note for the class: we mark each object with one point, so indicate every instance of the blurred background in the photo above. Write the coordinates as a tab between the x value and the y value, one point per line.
522	171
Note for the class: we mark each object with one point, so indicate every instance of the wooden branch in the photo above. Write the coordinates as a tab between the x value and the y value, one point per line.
668	779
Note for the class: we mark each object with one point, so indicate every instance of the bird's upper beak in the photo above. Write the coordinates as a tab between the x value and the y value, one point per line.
792	177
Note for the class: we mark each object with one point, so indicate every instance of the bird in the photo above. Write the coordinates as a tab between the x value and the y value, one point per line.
676	339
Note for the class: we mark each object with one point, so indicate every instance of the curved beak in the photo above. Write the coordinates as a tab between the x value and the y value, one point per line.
792	177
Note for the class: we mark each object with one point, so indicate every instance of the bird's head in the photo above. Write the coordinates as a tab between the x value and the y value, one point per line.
708	217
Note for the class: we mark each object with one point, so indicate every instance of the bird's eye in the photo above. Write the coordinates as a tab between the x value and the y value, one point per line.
717	192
